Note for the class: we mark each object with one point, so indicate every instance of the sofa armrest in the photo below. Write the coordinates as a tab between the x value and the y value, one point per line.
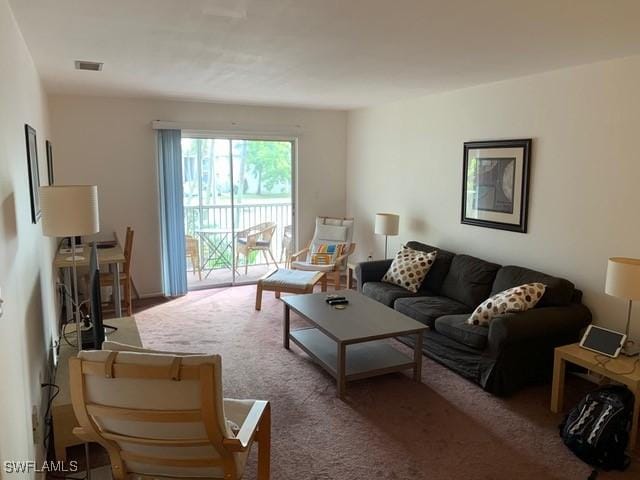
537	323
371	271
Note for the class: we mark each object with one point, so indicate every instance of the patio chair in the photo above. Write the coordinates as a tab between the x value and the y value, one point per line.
329	249
287	246
161	415
255	239
192	251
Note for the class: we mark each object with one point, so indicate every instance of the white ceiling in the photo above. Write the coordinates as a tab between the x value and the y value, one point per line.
318	53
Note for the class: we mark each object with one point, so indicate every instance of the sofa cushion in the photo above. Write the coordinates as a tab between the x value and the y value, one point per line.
386	293
409	268
470	280
440	267
456	328
558	293
513	300
427	309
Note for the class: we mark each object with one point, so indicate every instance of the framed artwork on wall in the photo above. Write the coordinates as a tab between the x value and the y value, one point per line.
49	162
495	184
34	174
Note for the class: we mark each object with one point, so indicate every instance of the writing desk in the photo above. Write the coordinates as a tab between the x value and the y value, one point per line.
111	257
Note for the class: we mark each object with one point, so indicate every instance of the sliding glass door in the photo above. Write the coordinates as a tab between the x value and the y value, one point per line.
238	208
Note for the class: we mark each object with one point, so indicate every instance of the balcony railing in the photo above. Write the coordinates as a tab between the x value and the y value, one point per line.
238	217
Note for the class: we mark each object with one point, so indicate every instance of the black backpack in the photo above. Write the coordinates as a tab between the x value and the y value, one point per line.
597	429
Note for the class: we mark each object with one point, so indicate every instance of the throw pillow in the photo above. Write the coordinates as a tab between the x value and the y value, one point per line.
409	268
325	253
516	299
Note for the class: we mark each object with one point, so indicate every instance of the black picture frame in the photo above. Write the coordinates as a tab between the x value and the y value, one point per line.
49	162
509	174
34	172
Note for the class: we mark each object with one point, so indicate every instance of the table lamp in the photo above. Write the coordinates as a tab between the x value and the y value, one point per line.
70	211
623	281
386	224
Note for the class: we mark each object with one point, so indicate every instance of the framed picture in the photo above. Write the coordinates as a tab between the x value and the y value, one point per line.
49	162
495	184
34	173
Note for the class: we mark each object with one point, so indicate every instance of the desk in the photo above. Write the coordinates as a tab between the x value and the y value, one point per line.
64	420
112	257
622	369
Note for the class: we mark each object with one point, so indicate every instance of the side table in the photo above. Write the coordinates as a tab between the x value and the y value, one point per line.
624	370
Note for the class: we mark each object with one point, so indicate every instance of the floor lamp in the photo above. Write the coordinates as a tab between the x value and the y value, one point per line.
623	281
386	224
70	211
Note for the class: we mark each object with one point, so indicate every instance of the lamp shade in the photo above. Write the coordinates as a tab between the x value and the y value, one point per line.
387	224
69	210
623	278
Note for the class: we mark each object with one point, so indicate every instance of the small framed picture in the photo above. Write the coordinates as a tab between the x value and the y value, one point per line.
49	162
34	173
495	184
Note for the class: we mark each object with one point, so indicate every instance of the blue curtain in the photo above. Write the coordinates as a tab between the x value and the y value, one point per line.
174	264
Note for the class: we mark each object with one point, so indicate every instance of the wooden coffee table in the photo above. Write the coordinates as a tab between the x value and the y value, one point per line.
349	343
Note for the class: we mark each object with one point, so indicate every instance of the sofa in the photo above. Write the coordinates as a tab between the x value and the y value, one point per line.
515	350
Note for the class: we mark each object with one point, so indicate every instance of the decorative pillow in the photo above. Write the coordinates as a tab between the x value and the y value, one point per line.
325	253
516	299
409	268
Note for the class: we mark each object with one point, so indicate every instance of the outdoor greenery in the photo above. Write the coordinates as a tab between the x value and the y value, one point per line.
270	162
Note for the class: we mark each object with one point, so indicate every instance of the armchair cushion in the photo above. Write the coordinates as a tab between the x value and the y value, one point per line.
325	253
310	267
332	233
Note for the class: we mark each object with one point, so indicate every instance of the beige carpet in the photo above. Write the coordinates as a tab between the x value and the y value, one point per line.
388	427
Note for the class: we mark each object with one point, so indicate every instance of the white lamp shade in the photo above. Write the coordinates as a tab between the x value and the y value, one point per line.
623	278
387	224
69	210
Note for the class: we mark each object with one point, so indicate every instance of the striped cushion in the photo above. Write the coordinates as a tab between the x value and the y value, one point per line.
325	253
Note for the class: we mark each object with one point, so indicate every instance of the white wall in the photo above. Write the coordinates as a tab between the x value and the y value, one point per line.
109	141
406	157
25	255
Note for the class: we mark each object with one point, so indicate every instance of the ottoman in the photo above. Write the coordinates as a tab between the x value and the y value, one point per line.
289	281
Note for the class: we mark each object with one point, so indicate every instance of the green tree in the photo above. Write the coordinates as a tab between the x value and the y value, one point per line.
270	162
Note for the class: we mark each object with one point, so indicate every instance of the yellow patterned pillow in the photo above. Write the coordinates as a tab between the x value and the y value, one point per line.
326	253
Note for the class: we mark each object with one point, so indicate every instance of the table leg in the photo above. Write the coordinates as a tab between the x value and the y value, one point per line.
341	367
417	358
633	440
259	296
349	278
323	282
68	304
287	322
116	290
557	387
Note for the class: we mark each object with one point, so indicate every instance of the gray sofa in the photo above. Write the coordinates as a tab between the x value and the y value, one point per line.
515	350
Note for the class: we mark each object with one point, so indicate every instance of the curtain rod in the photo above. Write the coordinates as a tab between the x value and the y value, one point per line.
237	127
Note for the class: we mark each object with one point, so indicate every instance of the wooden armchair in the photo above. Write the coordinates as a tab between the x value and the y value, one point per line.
329	231
256	238
163	415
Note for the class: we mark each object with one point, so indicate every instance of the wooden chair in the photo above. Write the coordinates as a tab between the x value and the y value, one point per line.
287	246
163	415
192	250
256	238
106	279
329	231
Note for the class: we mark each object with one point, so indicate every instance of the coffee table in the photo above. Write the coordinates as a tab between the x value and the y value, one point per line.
349	343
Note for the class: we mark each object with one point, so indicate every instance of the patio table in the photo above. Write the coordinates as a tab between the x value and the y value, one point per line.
219	241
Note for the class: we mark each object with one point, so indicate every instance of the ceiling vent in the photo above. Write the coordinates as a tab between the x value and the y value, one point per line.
91	66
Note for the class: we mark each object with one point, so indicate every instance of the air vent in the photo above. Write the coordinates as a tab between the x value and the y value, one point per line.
91	66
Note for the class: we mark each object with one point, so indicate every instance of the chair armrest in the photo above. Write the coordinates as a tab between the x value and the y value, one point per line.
298	254
371	271
538	323
248	428
82	434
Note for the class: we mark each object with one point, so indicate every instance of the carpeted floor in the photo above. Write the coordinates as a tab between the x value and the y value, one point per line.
388	427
